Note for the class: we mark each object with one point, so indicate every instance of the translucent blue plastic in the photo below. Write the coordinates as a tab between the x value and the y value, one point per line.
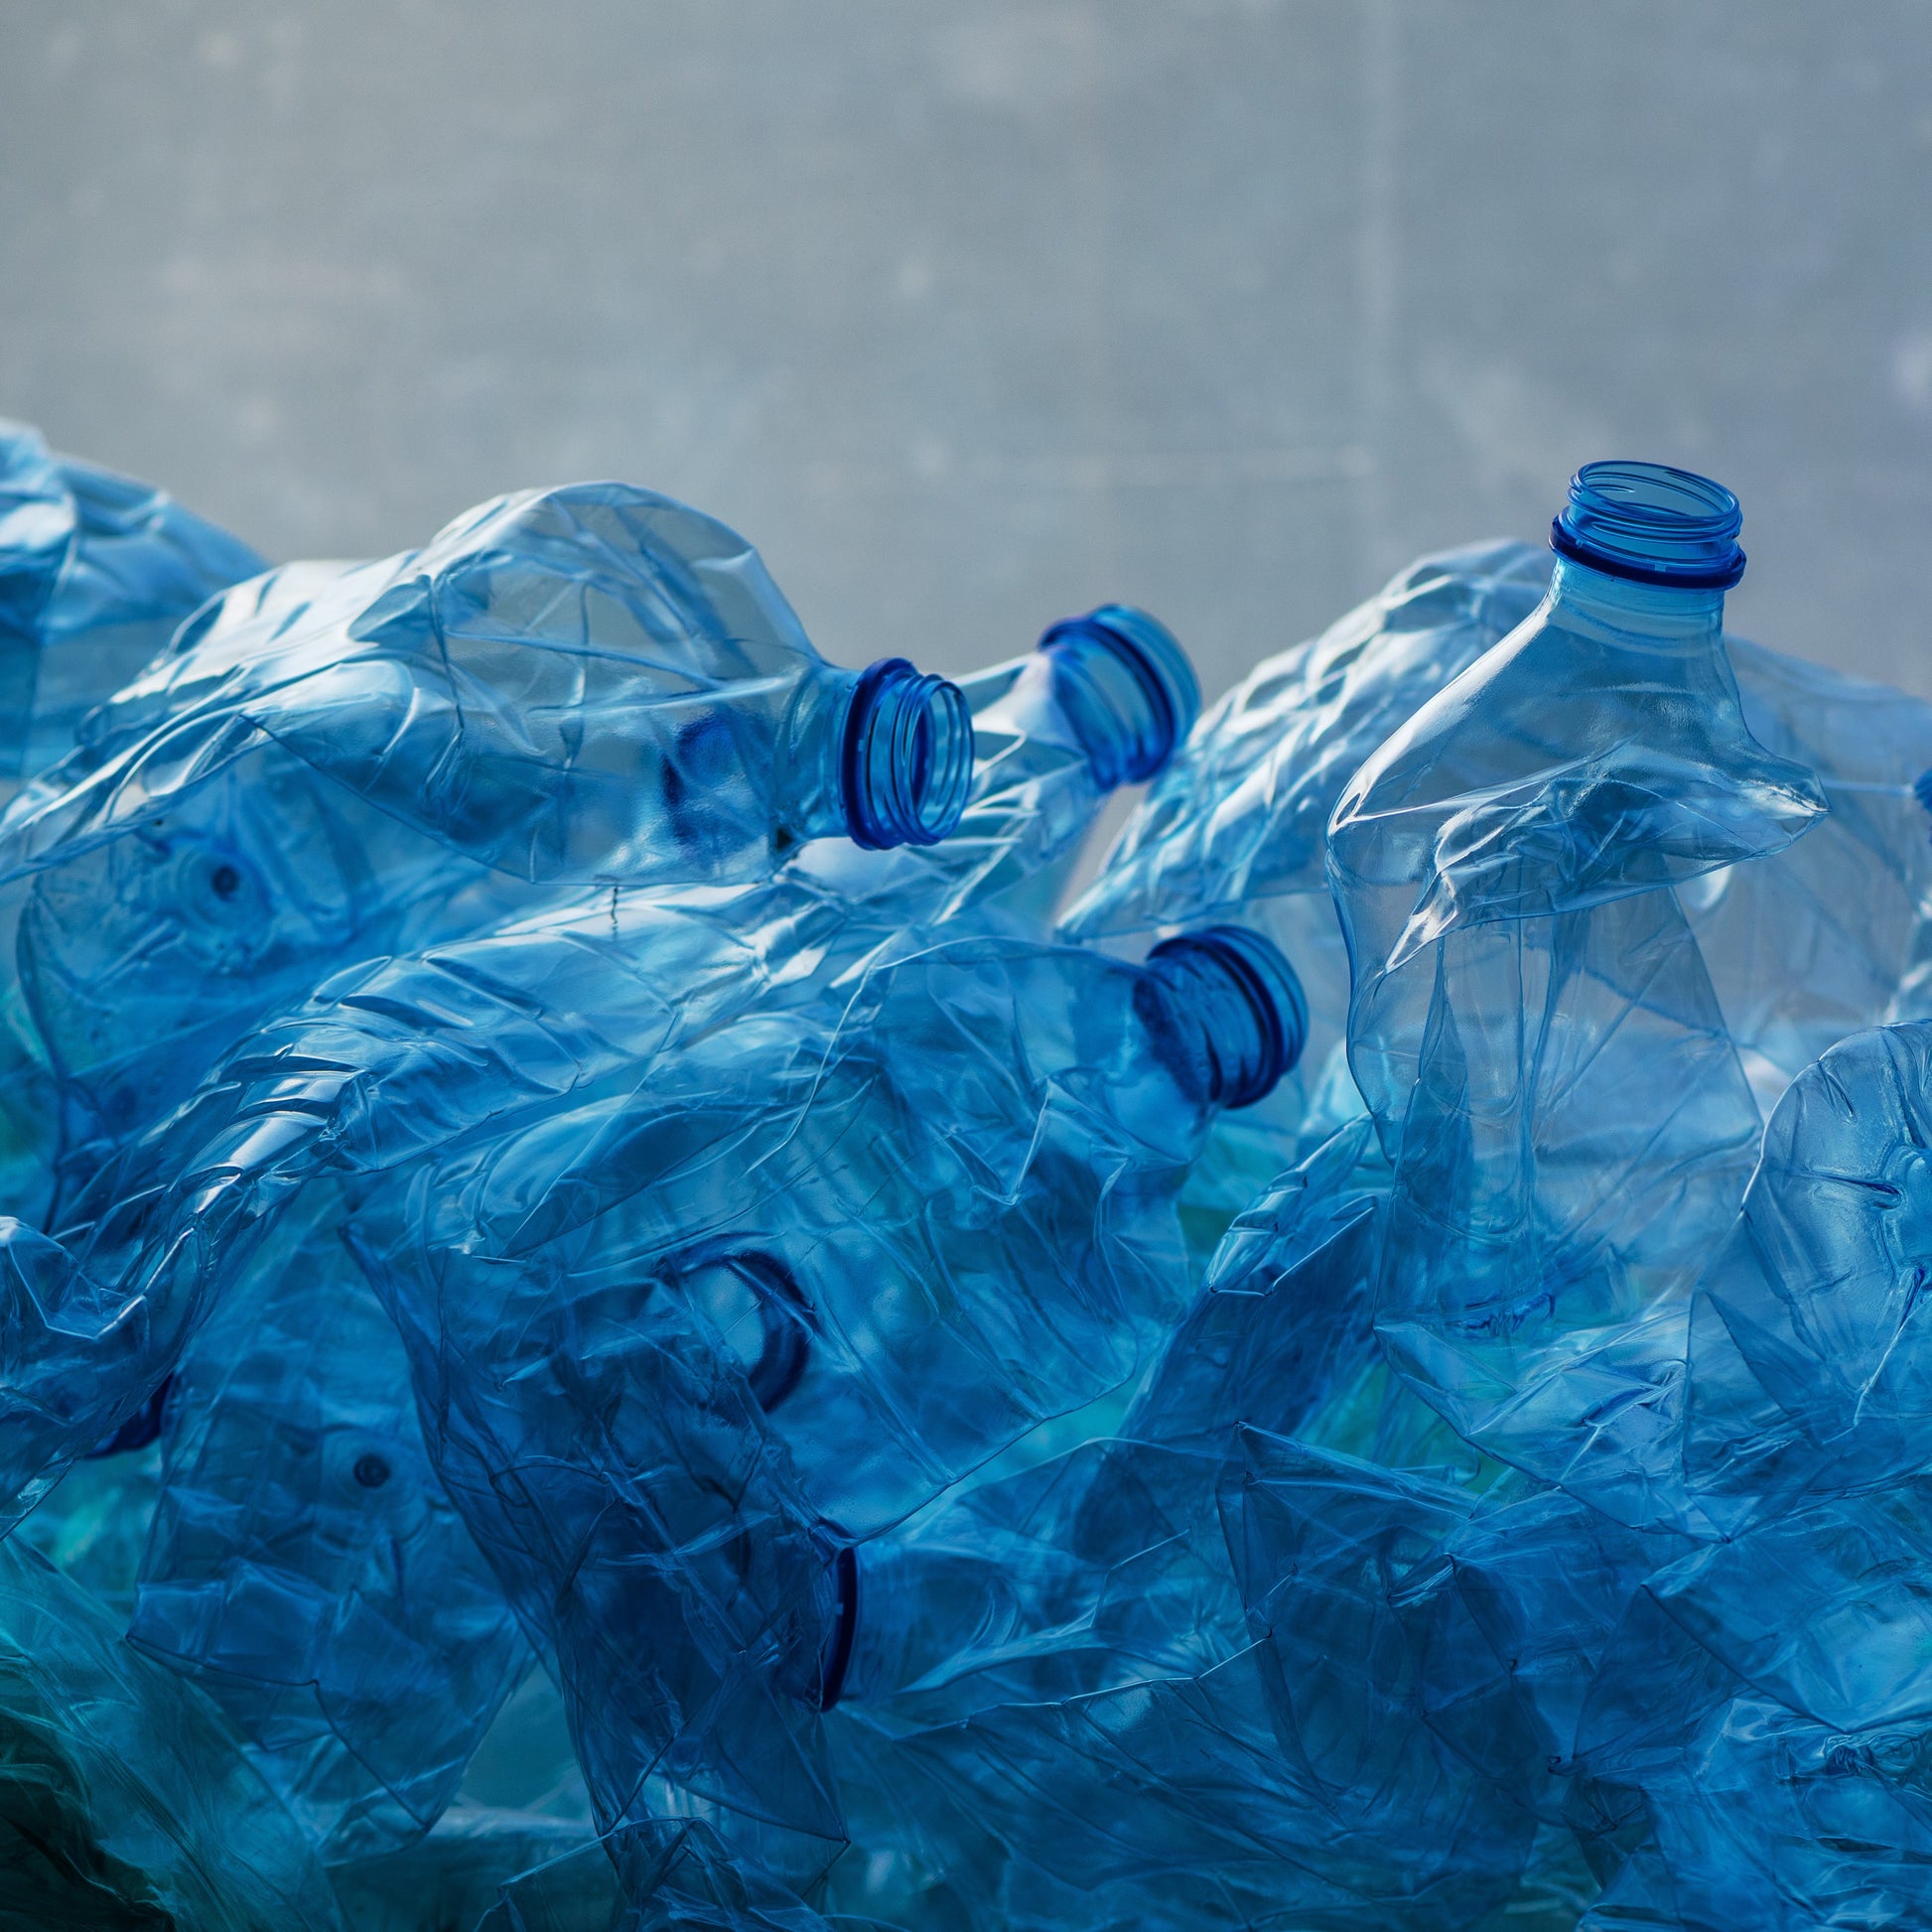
267	1530
786	1255
723	1249
96	571
1241	817
1802	947
1299	1777
1103	699
1531	1021
124	1805
338	761
303	1564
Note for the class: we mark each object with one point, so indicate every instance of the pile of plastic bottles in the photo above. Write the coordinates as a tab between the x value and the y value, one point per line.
613	1314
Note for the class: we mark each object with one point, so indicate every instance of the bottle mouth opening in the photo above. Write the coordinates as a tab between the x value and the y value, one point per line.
1130	750
1651	524
905	759
1269	990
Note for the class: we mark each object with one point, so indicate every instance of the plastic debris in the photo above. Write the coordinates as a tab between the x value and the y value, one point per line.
97	573
633	1340
305	1561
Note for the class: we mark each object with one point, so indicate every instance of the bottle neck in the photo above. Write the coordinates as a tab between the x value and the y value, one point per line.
906	756
883	757
1126	689
1234	1020
1654	616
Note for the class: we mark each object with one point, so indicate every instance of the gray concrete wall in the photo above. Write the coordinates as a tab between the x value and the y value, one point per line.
970	314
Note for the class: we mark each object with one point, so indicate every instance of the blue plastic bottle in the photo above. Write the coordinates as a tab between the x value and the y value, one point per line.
263	1525
760	1310
779	1287
1103	699
97	572
304	1564
336	763
1236	828
1531	1023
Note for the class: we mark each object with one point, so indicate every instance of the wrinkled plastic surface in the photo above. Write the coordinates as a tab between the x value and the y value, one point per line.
766	1297
691	1254
311	1600
97	572
304	1560
123	1802
336	762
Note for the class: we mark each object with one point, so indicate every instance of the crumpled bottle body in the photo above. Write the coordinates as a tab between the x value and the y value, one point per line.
1531	1021
262	1518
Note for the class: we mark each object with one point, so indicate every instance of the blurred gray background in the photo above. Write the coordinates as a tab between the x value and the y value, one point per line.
970	314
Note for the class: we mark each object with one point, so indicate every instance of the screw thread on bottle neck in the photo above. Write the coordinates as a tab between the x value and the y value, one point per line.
906	756
1247	1001
1127	689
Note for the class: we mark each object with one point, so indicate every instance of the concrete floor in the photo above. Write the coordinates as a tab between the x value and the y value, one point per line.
973	313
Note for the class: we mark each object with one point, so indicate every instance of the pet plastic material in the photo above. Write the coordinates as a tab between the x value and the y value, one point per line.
1531	1023
1103	699
97	572
123	1802
297	1395
528	1030
334	762
771	1292
303	1564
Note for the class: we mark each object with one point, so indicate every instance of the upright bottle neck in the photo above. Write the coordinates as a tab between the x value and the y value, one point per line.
1654	616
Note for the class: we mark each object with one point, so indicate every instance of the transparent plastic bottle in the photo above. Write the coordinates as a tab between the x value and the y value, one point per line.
1531	1023
97	573
334	762
760	1220
1102	701
291	1389
808	1273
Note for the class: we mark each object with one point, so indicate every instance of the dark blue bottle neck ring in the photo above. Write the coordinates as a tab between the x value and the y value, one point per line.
1246	1000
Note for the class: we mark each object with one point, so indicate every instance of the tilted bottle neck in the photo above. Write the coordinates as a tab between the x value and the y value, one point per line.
1126	688
1236	1018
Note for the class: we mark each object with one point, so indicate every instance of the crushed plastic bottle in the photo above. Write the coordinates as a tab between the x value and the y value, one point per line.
1102	701
270	1522
764	1299
535	1177
333	763
1531	1023
97	572
821	1399
303	1564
